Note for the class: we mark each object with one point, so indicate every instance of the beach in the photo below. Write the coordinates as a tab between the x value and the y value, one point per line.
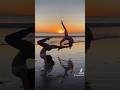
7	79
102	63
55	77
103	59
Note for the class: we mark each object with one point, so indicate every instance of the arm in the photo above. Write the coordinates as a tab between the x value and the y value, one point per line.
62	41
42	42
50	47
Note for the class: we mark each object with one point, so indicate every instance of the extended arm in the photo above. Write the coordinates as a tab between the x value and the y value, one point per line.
56	46
42	42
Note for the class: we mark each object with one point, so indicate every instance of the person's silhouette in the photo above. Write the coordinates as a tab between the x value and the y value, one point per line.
47	47
26	51
66	37
88	37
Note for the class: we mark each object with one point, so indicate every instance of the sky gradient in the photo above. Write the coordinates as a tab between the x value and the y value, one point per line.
27	7
102	7
17	7
48	14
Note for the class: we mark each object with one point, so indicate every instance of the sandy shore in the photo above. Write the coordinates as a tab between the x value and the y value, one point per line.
7	79
55	79
103	63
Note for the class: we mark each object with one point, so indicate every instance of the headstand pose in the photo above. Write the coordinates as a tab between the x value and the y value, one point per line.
26	51
66	37
47	47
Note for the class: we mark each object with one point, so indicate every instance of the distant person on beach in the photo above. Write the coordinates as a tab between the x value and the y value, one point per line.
88	37
46	47
26	51
66	37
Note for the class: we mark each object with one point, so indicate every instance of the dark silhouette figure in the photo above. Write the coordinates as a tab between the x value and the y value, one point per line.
88	37
66	37
26	51
46	47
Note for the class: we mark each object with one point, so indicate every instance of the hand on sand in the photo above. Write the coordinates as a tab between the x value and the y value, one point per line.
48	38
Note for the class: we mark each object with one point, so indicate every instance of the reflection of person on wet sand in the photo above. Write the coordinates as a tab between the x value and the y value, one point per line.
46	47
26	51
66	37
46	80
67	65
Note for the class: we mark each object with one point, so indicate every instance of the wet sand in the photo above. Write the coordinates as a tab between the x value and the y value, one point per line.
54	79
103	62
7	53
7	79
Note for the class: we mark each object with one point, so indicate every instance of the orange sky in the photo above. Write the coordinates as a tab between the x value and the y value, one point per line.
102	7
17	7
49	13
55	27
27	8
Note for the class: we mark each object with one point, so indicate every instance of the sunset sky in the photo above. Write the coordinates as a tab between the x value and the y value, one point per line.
102	7
71	7
17	7
50	12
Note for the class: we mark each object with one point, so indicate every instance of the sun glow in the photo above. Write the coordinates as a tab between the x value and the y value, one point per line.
60	31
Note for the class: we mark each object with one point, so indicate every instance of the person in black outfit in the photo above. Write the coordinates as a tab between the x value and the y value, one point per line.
26	51
66	37
46	47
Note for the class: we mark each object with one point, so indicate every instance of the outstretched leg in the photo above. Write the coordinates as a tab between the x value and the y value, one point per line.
66	33
66	37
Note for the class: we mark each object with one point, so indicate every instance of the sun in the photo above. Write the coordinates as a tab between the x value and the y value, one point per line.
60	31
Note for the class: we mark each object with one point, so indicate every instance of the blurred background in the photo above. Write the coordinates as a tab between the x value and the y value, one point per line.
102	59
